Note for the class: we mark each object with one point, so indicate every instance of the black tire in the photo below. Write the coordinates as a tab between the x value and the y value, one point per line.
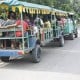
5	59
36	52
76	33
61	41
71	36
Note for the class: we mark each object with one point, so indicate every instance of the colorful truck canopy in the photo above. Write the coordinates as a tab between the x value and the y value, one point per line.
32	7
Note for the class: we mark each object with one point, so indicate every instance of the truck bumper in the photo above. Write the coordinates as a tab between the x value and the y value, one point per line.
11	53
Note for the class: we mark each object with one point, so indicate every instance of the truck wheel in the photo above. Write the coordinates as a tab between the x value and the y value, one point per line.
76	35
61	41
71	36
5	59
36	54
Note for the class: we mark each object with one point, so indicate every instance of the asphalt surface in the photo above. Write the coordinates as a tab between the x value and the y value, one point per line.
58	63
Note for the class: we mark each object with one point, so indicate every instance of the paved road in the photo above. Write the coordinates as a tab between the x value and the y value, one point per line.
56	62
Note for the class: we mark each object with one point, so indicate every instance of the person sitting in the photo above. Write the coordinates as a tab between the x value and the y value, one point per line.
4	14
18	33
11	20
63	19
27	20
16	23
60	22
47	24
2	21
39	22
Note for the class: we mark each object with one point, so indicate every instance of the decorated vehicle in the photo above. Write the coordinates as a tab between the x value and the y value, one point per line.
27	28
